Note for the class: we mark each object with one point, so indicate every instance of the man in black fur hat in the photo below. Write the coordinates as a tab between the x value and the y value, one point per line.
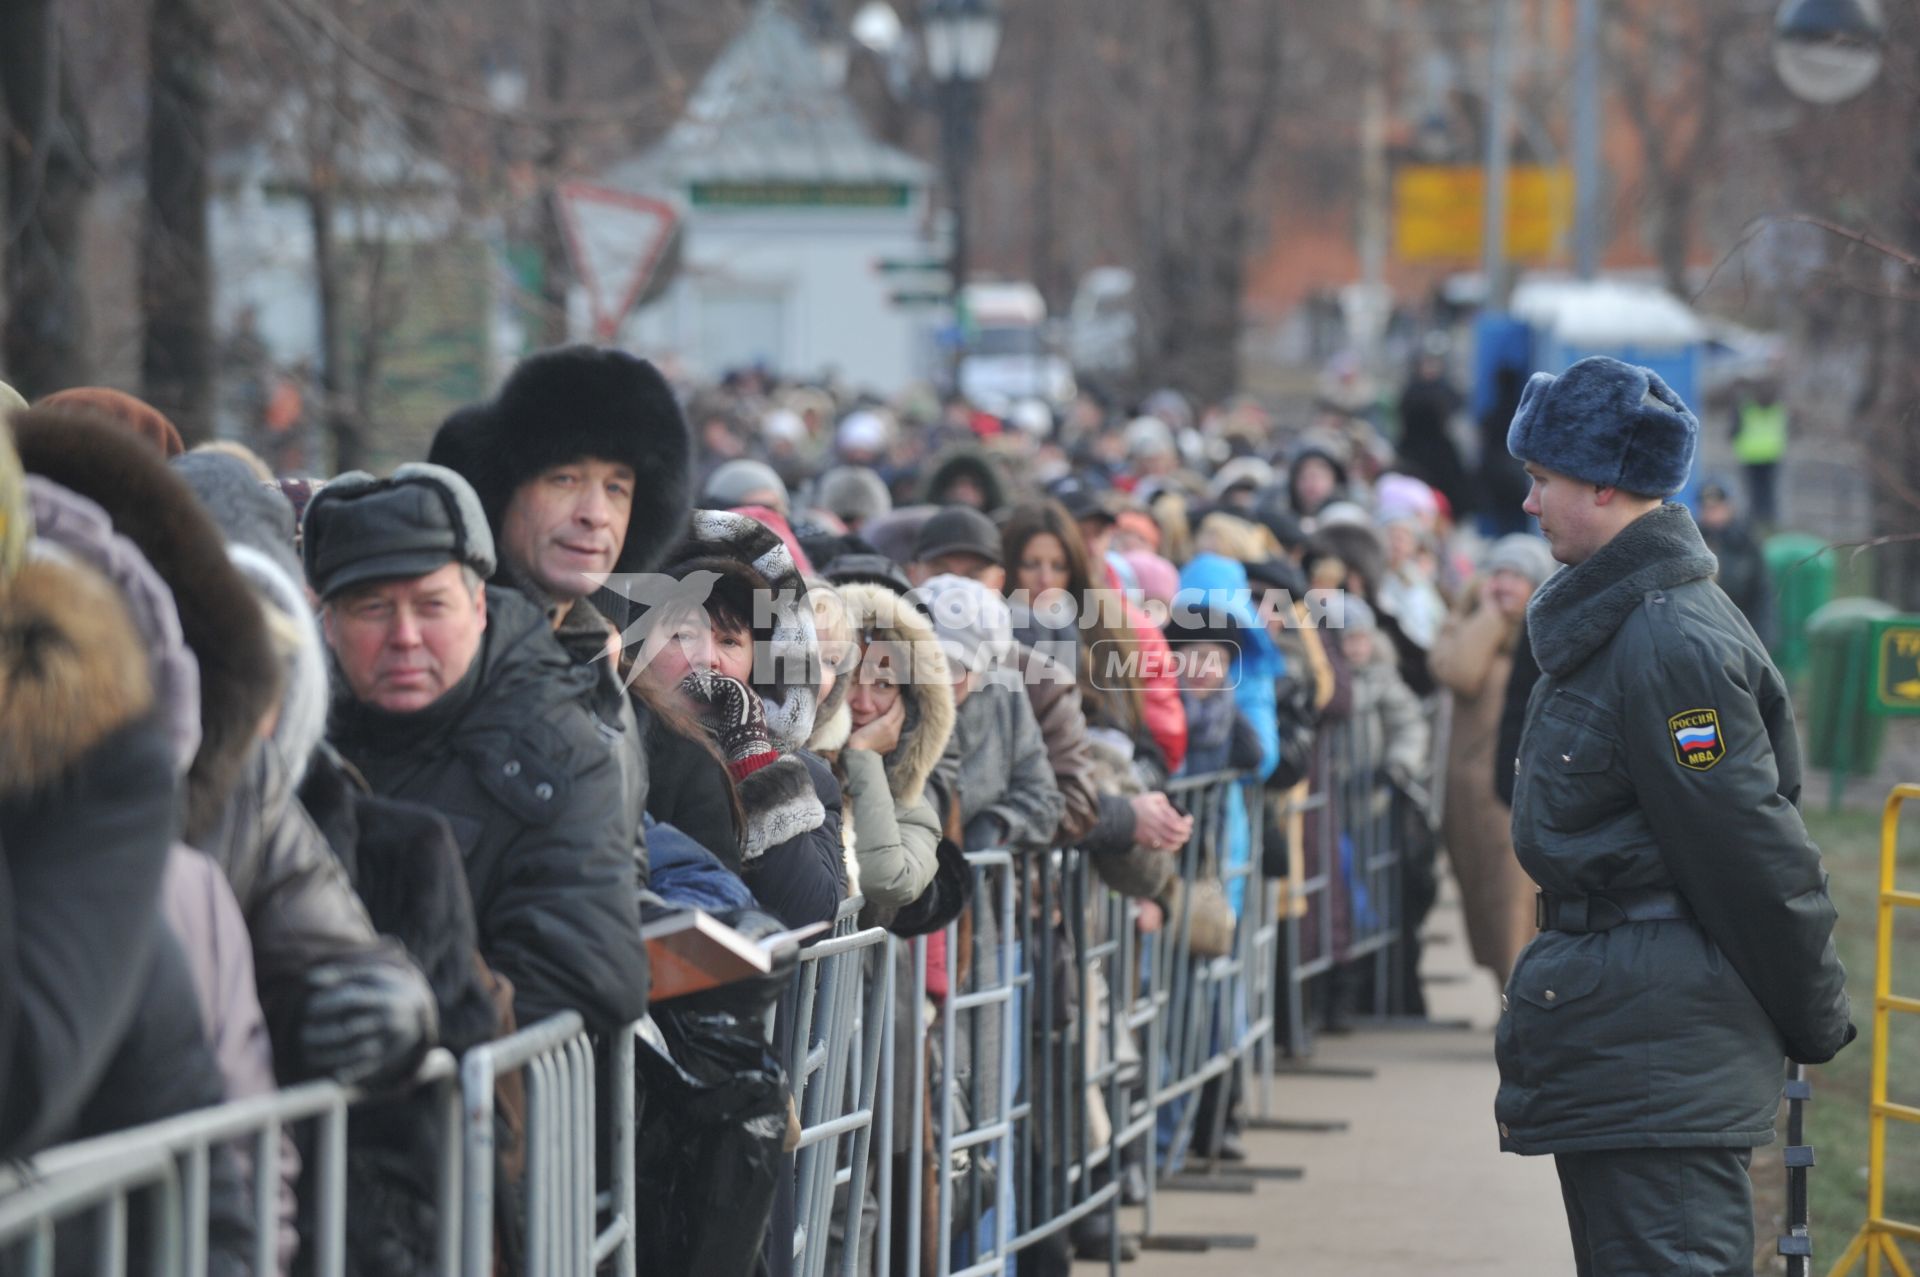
582	466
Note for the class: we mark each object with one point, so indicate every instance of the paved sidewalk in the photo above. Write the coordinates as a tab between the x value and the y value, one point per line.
1415	1185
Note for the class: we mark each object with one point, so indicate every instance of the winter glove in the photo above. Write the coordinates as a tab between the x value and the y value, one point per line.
366	1023
735	713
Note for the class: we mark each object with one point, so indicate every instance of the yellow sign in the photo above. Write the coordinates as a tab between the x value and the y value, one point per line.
1439	212
1898	669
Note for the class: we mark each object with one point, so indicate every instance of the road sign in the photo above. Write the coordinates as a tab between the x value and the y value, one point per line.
1438	212
615	240
1896	666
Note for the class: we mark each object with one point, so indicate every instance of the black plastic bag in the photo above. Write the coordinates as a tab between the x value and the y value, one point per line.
710	1146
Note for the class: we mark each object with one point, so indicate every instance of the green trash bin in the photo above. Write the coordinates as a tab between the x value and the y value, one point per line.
1840	668
1801	569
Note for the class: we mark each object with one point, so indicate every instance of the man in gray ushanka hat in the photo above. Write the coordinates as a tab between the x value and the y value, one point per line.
454	694
1686	936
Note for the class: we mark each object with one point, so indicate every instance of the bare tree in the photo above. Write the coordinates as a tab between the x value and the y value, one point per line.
1678	69
1221	106
49	177
176	289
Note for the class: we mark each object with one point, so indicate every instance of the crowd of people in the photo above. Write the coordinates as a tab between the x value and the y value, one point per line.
300	778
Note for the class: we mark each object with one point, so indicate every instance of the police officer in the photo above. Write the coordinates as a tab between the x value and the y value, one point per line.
1685	944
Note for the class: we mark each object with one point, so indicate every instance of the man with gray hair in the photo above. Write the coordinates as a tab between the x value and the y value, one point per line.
455	695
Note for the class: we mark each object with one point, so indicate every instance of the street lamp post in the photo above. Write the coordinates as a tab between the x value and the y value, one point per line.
1825	52
962	37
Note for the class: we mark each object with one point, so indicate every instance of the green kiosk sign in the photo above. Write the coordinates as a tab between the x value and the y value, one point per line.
1866	669
1896	666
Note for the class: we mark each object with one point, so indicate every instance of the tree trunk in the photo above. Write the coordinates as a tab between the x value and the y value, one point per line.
1896	503
48	182
176	293
1202	289
337	418
1201	271
556	272
1673	234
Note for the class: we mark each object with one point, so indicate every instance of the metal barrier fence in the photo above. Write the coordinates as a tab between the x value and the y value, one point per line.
833	1018
1067	1041
166	1174
1347	902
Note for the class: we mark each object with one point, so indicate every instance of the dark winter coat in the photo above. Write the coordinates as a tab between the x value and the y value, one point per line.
690	790
88	812
584	634
402	860
512	757
1427	409
1743	574
1662	1033
162	1068
804	879
300	909
100	1025
1513	714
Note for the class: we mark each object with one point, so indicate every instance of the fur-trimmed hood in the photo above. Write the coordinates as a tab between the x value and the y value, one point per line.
968	461
66	523
720	541
219	616
305	693
72	670
878	613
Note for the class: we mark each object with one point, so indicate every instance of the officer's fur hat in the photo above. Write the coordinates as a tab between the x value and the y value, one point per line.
1607	422
569	403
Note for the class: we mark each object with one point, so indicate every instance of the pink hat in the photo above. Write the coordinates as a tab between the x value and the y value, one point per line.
1159	580
1401	496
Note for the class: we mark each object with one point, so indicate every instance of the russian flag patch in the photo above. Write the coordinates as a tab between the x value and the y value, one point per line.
1697	742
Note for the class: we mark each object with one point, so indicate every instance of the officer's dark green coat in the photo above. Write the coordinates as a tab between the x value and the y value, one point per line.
1659	753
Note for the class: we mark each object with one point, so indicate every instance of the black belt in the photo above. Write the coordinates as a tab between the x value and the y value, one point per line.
1553	911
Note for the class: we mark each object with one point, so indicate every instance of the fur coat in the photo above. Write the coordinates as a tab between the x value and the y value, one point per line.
1472	659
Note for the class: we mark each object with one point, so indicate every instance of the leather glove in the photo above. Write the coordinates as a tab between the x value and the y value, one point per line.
366	1022
738	718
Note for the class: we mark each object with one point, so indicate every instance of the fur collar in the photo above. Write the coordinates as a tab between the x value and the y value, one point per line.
781	804
830	733
1577	611
152	507
72	671
877	611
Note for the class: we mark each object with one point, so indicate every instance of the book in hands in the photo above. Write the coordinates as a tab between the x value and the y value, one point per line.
691	951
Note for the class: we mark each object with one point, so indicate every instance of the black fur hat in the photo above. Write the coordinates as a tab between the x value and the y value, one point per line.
580	401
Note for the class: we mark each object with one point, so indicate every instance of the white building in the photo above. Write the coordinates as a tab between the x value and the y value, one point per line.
790	208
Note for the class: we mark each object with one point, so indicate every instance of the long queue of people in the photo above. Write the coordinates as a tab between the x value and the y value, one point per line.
302	779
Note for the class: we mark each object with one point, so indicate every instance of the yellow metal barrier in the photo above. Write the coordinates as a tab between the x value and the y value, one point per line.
1877	1240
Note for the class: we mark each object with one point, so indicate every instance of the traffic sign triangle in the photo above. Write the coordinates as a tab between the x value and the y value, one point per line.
615	240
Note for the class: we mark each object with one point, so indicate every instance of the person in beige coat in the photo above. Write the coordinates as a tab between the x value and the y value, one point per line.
1471	660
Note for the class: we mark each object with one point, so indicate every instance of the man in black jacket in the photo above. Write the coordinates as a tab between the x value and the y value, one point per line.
455	695
1686	933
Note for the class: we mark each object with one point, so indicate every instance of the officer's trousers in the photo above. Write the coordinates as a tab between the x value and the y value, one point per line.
1659	1212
